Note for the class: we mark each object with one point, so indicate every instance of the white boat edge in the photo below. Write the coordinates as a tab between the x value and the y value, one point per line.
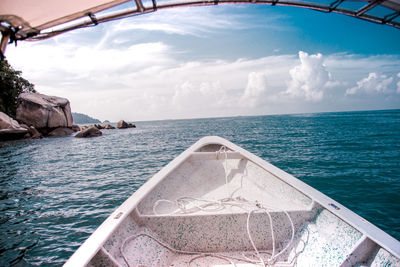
92	245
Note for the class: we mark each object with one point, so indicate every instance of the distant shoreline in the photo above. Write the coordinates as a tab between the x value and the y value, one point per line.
80	118
277	114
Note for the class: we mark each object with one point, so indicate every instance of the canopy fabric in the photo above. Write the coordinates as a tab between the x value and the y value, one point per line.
42	14
30	20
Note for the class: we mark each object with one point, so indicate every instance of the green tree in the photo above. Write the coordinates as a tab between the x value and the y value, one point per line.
11	85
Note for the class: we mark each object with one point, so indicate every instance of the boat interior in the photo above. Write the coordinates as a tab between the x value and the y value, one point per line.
218	208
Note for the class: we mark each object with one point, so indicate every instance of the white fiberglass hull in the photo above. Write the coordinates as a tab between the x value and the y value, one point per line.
217	204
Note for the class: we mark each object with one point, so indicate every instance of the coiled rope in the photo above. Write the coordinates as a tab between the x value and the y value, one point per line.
207	205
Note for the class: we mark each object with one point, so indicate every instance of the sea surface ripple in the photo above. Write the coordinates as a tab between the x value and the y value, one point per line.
55	192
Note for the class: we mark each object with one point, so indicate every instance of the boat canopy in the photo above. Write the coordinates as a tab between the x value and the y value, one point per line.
41	19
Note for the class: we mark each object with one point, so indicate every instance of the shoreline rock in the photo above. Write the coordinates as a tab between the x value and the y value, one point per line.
45	113
35	134
40	116
89	132
124	125
108	127
62	131
98	126
75	128
10	129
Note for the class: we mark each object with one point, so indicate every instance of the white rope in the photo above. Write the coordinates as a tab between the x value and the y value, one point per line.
177	251
251	238
250	207
223	149
291	238
213	255
188	205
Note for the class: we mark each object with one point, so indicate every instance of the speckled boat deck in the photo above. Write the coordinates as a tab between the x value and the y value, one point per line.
218	205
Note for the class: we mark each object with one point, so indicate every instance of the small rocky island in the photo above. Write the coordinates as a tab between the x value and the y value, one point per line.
40	115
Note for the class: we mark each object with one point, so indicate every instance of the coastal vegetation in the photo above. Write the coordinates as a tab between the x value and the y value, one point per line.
12	84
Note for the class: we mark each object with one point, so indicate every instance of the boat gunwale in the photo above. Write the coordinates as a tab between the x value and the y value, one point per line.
368	229
92	245
95	241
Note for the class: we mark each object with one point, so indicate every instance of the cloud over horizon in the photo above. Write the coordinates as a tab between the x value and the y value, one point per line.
373	84
255	93
309	78
398	83
150	80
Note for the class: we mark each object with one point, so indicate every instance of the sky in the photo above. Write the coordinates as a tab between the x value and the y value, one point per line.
218	61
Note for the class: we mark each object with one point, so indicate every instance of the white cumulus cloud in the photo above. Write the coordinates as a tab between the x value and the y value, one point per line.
199	97
146	81
374	83
309	78
398	84
256	90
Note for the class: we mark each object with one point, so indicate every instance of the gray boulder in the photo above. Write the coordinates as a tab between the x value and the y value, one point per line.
10	129
123	125
84	127
75	128
34	134
89	132
43	112
108	127
62	131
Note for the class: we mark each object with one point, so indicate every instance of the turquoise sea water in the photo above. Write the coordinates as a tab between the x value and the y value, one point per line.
55	192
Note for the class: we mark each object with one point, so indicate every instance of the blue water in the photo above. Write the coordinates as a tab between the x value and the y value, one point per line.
55	192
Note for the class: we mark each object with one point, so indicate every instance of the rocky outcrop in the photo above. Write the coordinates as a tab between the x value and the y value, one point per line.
108	127
75	128
105	126
98	126
43	112
62	131
40	115
123	125
34	134
84	127
89	132
10	129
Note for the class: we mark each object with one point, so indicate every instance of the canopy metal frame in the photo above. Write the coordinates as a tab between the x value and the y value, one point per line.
23	32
